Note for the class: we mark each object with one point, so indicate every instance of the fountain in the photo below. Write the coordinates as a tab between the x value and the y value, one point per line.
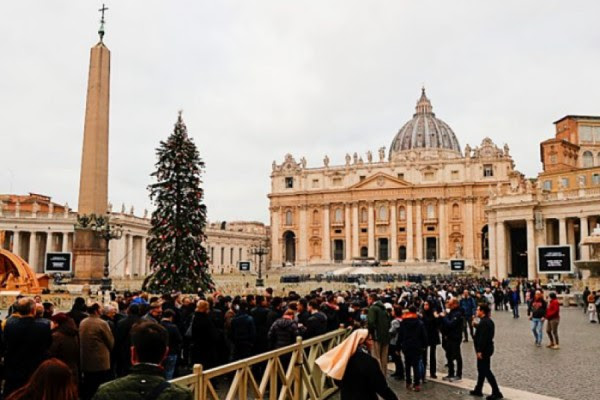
591	268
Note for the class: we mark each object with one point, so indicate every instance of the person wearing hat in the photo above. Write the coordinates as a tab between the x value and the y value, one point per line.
65	342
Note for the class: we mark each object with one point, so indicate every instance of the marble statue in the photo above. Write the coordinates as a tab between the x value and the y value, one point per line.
369	156
382	154
348	159
326	161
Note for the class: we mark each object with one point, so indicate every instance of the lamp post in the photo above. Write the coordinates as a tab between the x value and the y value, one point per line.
260	251
107	232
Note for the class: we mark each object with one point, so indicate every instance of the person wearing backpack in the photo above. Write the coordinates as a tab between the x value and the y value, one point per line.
146	380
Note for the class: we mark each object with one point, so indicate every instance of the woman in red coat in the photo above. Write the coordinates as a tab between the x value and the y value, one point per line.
553	318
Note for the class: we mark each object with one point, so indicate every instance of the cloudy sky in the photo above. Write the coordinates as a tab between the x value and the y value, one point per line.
259	79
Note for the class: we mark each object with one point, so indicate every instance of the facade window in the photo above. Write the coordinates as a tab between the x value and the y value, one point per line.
454	175
430	211
289	182
364	215
548	185
564	182
231	256
222	255
339	215
428	176
288	218
488	170
402	213
383	213
315	217
455	211
315	183
240	255
401	176
588	159
553	159
585	133
582	180
596	179
362	178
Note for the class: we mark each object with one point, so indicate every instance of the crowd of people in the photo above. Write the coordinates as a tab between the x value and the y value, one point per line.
132	346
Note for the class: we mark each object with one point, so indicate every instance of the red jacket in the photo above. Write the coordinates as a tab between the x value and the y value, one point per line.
553	311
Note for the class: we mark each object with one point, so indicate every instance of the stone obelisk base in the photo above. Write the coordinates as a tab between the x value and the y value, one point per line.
89	253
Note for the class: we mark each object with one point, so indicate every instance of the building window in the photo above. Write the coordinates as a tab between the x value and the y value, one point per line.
337	231
240	255
315	183
339	215
362	178
402	213
428	176
288	218
315	217
454	175
402	229
289	182
431	229
564	182
455	211
585	133
588	159
364	215
582	180
363	230
231	256
548	185
553	159
383	213
430	211
596	179
222	255
401	176
488	170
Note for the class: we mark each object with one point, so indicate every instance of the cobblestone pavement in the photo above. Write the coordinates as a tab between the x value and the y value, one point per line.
571	373
429	391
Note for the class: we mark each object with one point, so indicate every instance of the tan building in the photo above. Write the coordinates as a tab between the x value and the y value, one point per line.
423	201
562	208
33	225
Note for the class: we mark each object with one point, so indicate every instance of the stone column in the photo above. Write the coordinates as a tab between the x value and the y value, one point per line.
32	253
443	239
275	246
16	243
501	247
326	235
348	233
419	232
371	231
129	251
49	237
493	262
355	231
144	257
65	242
302	236
410	254
469	222
531	253
394	231
584	251
562	231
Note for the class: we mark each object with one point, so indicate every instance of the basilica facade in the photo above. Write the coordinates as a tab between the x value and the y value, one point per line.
423	201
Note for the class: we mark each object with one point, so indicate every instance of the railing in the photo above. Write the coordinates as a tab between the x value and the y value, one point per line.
286	373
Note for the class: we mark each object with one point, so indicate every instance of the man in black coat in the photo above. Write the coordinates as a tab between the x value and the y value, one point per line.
484	348
243	333
259	314
452	325
316	323
412	338
123	341
27	342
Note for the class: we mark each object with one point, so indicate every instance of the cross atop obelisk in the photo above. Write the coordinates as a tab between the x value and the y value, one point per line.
101	29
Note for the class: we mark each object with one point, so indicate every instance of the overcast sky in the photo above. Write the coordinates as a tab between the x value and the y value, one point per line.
259	79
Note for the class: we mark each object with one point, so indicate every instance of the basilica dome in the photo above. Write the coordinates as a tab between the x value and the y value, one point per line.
425	132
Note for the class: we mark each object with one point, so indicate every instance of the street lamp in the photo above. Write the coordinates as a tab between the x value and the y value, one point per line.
108	232
260	252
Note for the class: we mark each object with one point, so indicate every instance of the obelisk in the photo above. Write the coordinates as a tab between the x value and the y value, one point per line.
89	249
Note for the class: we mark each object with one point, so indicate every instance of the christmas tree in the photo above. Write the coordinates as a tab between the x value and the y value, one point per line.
177	257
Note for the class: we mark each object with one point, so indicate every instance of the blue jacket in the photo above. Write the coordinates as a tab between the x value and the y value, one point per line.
468	306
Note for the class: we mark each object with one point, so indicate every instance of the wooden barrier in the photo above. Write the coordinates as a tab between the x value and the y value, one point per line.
300	379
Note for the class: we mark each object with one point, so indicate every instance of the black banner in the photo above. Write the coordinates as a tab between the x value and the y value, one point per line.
554	260
457	265
58	262
244	265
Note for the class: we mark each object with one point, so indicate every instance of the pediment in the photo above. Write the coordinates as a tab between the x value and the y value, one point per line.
380	181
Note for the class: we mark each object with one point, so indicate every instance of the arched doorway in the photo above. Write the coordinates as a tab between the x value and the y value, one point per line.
383	249
402	253
364	252
289	239
431	249
338	250
485	243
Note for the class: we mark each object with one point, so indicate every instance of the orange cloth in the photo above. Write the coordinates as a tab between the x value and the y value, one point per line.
333	363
